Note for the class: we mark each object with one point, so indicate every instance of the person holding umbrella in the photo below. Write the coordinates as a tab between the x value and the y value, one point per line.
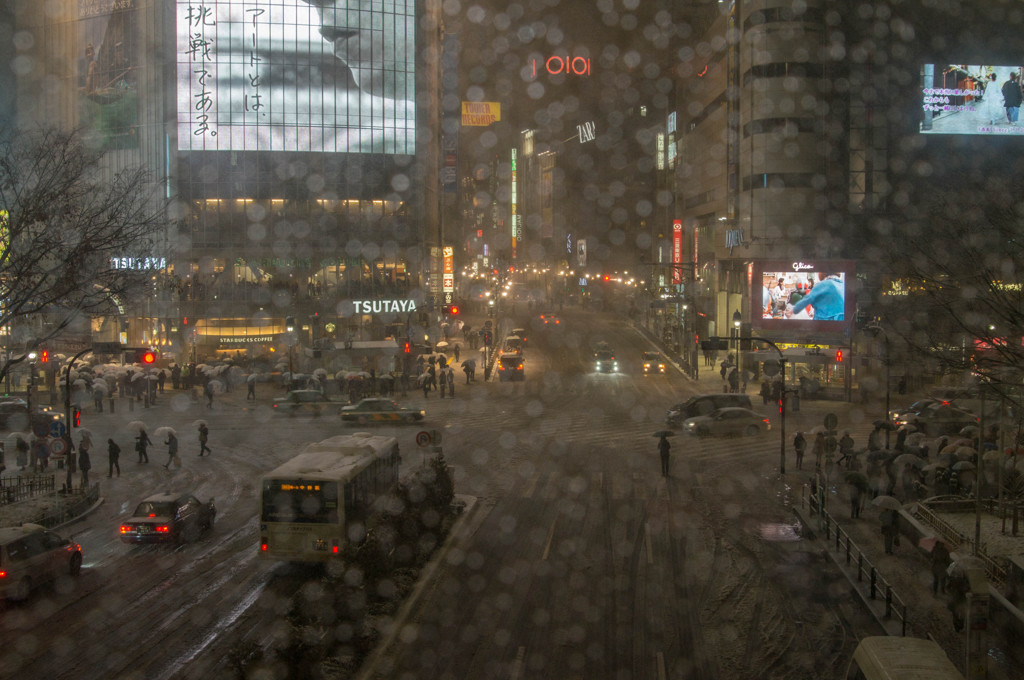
113	458
940	563
172	448
142	443
800	445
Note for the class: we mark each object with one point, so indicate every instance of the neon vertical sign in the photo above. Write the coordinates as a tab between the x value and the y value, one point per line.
677	251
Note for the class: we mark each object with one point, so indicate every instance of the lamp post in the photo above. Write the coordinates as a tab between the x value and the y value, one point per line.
875	330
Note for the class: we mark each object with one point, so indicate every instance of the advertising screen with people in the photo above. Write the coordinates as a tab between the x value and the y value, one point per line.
296	75
807	295
962	99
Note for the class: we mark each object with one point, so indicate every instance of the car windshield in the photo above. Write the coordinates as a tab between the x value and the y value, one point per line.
605	356
155	509
652	356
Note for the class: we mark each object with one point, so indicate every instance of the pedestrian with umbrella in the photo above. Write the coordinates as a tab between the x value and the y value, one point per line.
890	521
663	450
113	458
846	450
251	382
172	446
84	462
20	452
142	442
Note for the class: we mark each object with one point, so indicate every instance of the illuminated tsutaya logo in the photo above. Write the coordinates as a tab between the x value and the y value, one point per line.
797	266
138	263
383	306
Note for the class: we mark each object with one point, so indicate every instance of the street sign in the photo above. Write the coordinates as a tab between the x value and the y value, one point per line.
57	447
41	429
57	429
423	439
770	368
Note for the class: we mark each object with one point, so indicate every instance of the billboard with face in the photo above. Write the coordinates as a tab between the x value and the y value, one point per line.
287	75
803	295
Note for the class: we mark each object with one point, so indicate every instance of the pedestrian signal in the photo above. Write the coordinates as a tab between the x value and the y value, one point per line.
77	417
839	356
407	349
145	356
44	356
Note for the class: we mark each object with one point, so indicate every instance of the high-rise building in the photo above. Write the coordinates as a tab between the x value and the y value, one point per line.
290	142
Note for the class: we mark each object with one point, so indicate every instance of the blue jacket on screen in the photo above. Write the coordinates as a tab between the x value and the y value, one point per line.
828	299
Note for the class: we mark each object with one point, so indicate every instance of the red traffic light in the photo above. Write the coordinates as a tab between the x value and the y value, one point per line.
44	356
839	356
147	357
454	310
407	349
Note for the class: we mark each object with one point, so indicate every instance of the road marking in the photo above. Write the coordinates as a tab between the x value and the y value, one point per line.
531	486
517	665
551	537
660	663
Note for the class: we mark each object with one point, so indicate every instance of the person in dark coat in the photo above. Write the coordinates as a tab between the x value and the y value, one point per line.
172	449
856	500
142	443
663	450
113	457
940	563
890	520
766	391
450	374
846	450
204	435
800	446
84	464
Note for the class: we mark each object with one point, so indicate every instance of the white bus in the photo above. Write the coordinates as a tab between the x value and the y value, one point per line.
312	504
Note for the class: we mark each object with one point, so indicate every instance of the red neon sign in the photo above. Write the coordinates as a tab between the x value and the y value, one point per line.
555	65
677	250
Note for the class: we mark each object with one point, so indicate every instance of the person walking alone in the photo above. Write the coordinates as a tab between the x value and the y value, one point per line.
113	457
142	443
84	463
663	450
172	449
204	435
450	375
1012	98
940	563
890	520
251	382
799	445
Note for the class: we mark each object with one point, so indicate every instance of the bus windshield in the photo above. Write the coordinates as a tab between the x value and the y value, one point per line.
299	501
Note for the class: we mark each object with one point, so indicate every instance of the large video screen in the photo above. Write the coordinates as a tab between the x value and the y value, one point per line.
803	295
960	99
289	75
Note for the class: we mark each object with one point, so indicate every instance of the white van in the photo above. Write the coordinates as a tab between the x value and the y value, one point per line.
31	555
899	658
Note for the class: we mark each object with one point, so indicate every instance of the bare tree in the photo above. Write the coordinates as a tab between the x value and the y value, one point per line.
959	301
64	219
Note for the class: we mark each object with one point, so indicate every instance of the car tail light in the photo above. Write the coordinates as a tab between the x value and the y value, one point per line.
163	529
334	547
765	421
125	529
3	574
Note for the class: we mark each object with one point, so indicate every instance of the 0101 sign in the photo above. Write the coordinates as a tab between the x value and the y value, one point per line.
557	65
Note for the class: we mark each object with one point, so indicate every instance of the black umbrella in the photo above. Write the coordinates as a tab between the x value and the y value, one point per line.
664	433
858	479
884	425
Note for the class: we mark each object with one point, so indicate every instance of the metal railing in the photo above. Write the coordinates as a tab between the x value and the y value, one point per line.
878	588
995	570
24	487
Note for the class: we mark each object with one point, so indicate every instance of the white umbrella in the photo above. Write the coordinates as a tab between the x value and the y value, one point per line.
164	431
251	378
887	502
319	372
137	425
138	376
217	385
100	387
199	423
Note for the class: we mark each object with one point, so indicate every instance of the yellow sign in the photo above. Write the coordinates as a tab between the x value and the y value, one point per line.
480	114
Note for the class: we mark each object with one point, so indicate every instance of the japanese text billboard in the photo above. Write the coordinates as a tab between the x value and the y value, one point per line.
287	75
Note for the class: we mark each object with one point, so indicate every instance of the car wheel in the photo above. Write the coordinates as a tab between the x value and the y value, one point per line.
75	567
410	419
363	420
20	591
752	431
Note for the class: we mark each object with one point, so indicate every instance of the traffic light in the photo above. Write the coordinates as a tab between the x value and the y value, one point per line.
839	356
146	357
407	348
44	356
450	310
77	417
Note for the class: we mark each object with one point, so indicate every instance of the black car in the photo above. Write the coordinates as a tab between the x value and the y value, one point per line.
14	416
604	362
510	368
168	518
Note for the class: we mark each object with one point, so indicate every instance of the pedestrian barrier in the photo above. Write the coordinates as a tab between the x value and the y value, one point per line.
995	571
24	487
836	537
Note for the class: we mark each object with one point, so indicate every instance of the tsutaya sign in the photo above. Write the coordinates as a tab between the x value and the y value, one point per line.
383	306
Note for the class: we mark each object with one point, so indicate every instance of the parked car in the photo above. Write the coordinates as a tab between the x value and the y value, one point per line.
703	404
730	420
513	345
605	362
168	518
302	401
510	368
31	555
379	410
654	363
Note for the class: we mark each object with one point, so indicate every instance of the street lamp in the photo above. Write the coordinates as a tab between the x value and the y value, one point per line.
289	326
875	330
